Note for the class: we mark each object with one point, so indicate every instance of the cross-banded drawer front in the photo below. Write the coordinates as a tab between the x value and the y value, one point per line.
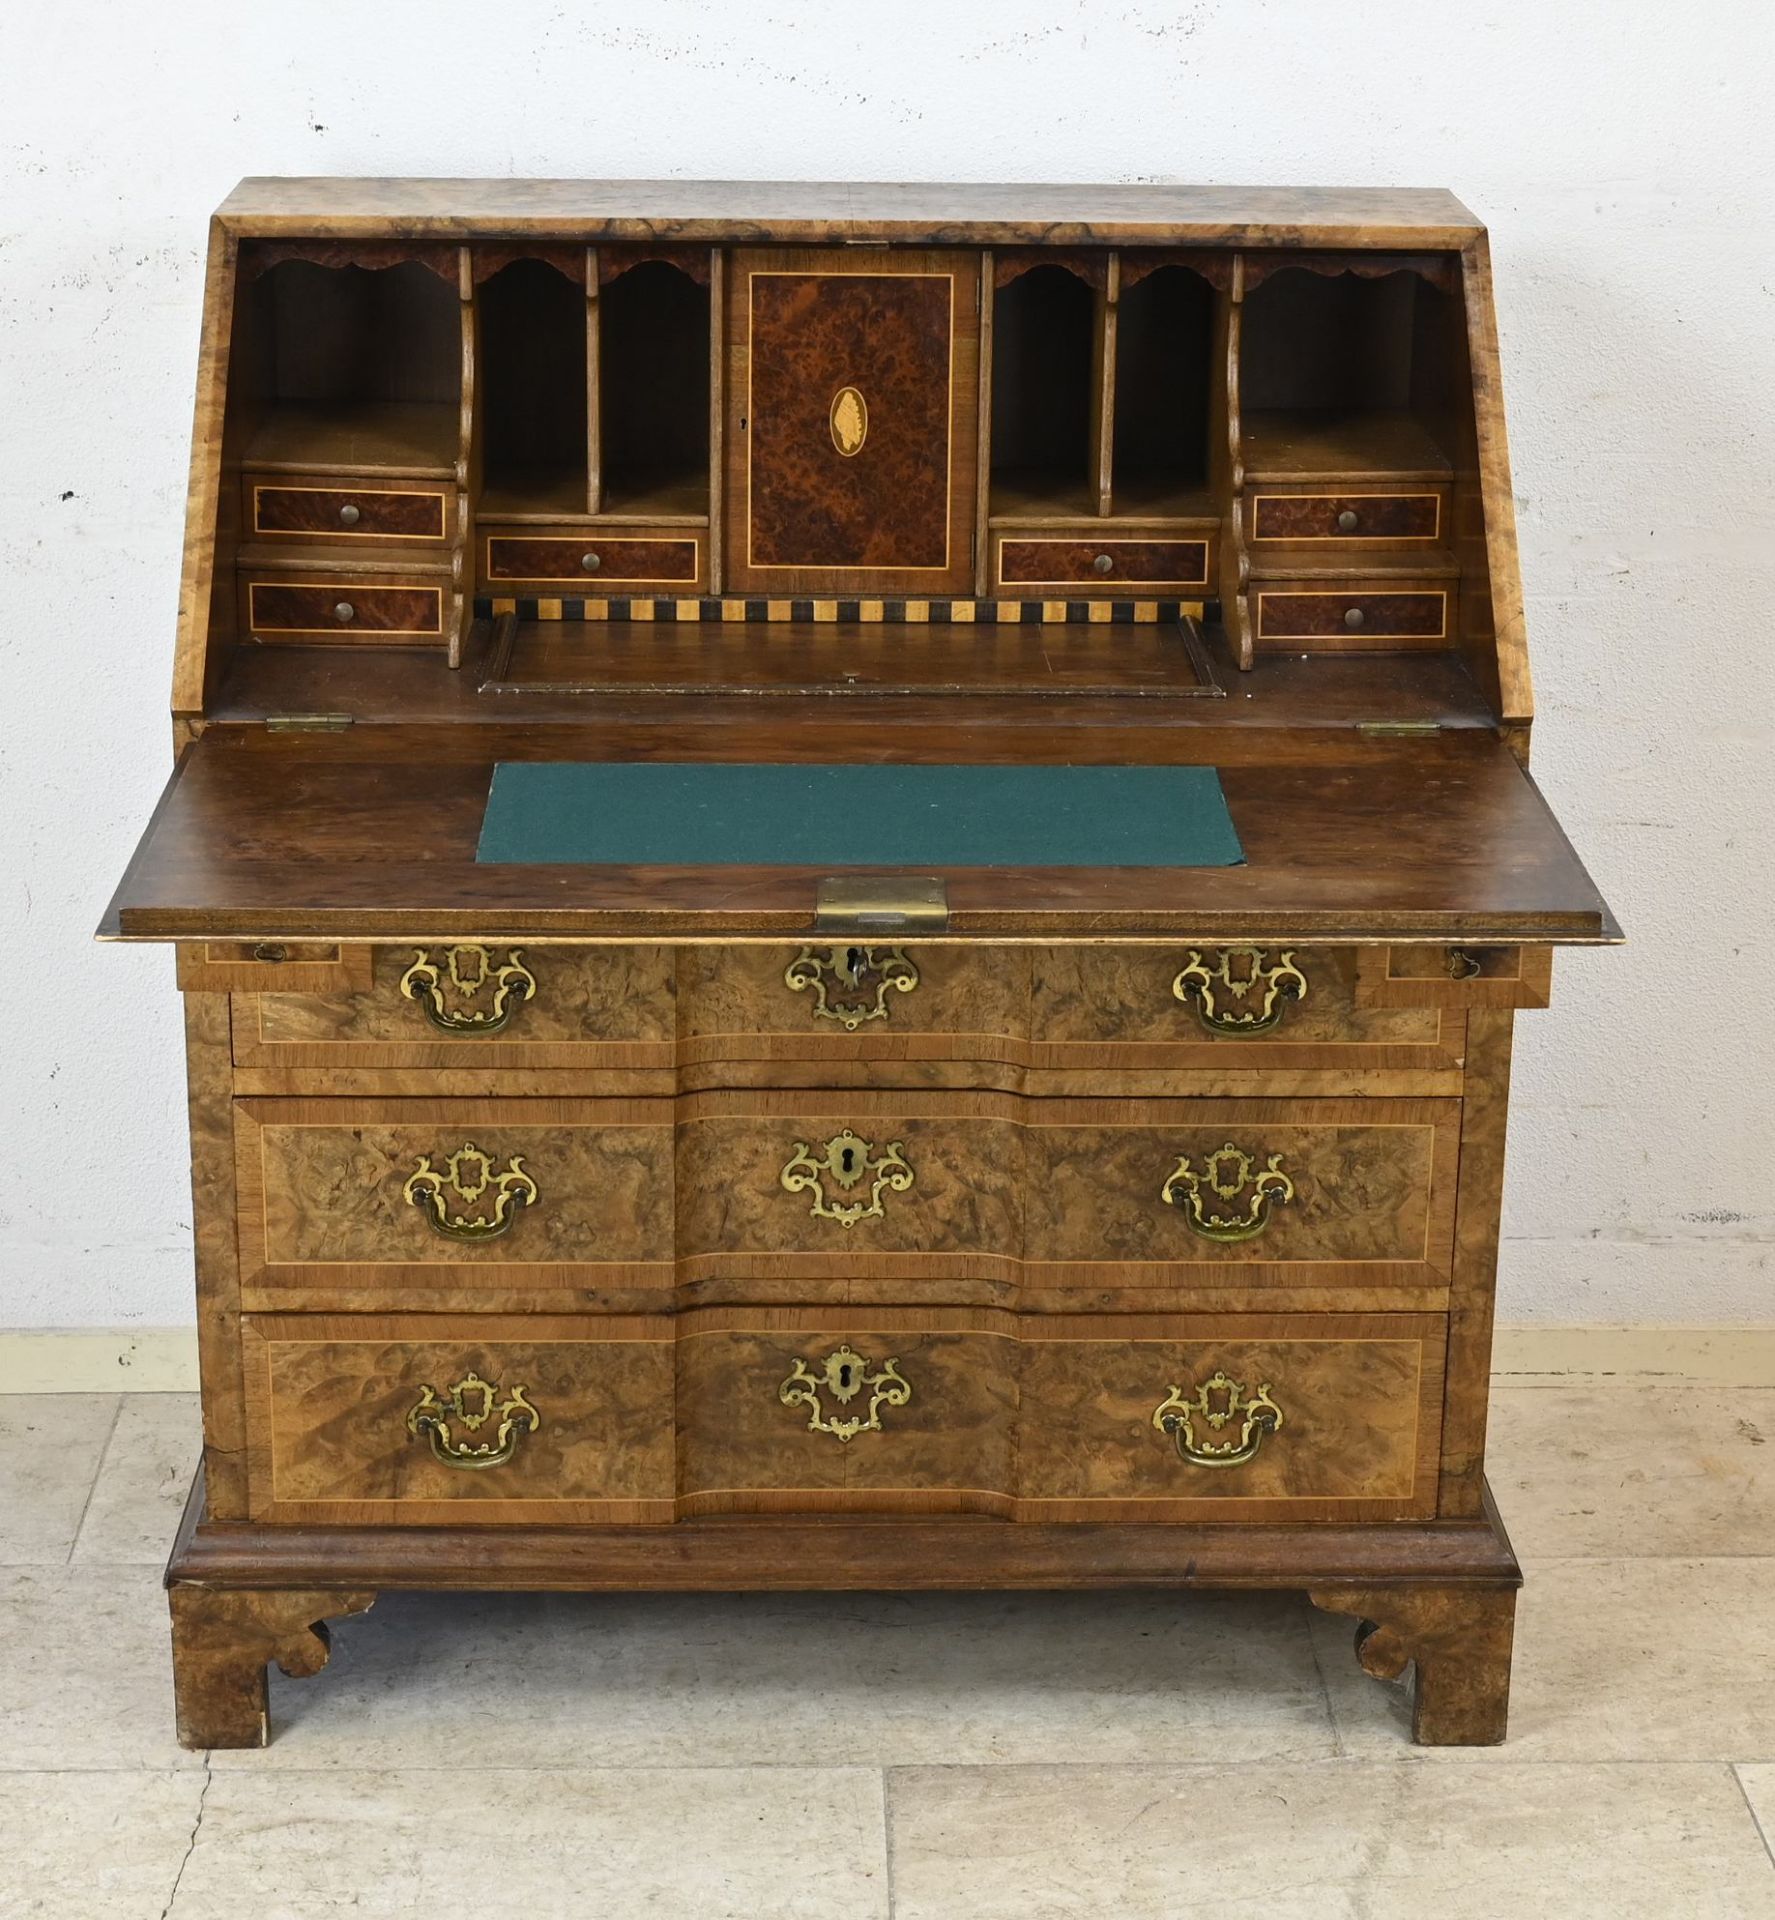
1297	1417
1352	618
427	1420
346	513
627	1419
1354	519
1271	1192
1224	1009
344	609
453	1005
1102	563
1136	1195
423	1199
595	561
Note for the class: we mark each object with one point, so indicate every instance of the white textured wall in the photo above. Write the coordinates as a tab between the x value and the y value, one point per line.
1621	154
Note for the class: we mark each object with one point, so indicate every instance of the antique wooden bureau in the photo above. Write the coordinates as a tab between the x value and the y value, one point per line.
724	1220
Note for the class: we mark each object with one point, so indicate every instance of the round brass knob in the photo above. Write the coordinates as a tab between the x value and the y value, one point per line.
1352	617
344	612
1103	564
1347	521
349	515
591	562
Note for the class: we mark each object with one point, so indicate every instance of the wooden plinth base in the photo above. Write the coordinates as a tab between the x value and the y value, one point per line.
1440	1594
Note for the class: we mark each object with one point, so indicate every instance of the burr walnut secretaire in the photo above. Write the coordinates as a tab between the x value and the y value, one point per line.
850	868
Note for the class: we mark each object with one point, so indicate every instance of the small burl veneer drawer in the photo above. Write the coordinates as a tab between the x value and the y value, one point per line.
344	608
1226	1008
422	1200
855	1001
1353	518
435	1420
592	560
1108	563
347	513
1140	1417
444	1006
1344	618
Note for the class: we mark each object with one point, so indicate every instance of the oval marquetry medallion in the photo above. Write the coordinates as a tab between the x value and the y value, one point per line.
849	421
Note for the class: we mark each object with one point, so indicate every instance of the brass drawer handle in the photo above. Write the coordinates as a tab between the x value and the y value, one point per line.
844	1374
1226	1174
344	612
468	969
1259	994
847	1161
474	1402
1104	563
1218	1402
350	514
834	972
468	1173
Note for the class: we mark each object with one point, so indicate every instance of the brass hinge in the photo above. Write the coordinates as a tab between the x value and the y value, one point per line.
885	903
1398	729
307	722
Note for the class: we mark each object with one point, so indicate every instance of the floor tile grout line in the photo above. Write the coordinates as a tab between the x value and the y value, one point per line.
1406	1756
92	1486
1750	1807
887	1835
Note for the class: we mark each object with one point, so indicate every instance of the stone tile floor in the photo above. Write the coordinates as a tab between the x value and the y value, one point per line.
1035	1756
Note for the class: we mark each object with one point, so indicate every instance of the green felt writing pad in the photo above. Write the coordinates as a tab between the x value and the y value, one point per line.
622	813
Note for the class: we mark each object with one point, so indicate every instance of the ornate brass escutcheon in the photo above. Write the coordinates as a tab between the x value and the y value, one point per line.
1218	1401
1239	995
468	970
469	1173
474	1402
1226	1174
847	1162
844	1373
850	984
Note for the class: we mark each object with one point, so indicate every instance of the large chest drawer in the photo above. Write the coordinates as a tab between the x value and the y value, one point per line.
477	1202
423	1420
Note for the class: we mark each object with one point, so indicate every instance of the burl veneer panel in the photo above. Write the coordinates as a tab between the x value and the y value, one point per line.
1315	516
1360	1401
1373	1202
879	496
328	1399
950	1449
1114	1005
321	1193
382	513
961	1216
592	1007
734	1004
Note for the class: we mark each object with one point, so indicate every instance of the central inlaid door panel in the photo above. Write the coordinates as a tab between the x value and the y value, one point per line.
851	421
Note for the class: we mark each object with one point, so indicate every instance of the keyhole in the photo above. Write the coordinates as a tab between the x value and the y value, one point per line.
844	1375
848	1159
855	958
